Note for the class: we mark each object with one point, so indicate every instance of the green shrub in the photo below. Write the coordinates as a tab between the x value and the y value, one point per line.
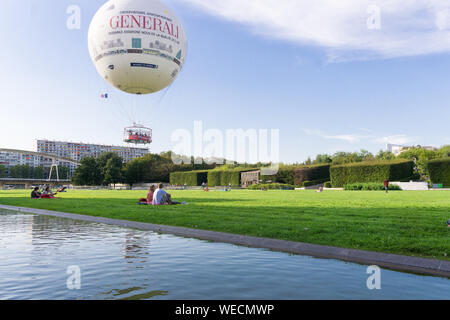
214	178
190	178
233	177
307	184
285	175
328	184
223	177
369	187
312	173
439	171
374	171
271	186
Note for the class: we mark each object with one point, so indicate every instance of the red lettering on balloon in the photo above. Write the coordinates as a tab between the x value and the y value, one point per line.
144	22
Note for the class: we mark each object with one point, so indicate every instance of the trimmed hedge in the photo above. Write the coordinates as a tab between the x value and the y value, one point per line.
307	184
285	175
374	171
271	186
190	178
439	171
214	178
369	187
312	173
225	177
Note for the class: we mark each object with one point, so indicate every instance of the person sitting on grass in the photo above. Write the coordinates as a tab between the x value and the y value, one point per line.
35	194
149	199
161	197
48	194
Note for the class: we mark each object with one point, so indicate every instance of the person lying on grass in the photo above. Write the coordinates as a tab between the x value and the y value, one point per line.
161	197
149	199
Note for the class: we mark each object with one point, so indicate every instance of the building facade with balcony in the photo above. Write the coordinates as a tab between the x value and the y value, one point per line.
69	150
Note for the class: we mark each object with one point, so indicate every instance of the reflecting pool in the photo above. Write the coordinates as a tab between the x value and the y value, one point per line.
41	257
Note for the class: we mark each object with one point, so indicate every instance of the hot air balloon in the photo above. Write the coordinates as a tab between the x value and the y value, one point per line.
137	46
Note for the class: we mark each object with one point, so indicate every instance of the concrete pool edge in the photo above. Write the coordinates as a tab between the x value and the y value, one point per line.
386	260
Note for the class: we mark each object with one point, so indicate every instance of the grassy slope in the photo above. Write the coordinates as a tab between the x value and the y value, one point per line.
410	223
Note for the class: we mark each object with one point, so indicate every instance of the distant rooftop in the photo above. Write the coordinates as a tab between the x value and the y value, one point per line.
88	143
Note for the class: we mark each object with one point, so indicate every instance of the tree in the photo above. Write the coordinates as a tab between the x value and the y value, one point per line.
102	160
345	157
63	173
38	173
21	171
385	155
106	169
113	171
134	171
88	173
444	151
420	156
323	158
111	167
365	155
2	171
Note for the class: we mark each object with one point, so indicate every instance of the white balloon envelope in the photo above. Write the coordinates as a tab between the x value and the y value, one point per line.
138	46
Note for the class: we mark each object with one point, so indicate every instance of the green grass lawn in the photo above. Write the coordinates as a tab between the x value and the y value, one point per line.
410	223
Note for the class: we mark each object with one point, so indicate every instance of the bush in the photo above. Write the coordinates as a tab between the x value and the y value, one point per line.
214	178
328	184
190	178
223	177
307	184
233	177
285	175
271	186
439	171
312	173
374	171
369	187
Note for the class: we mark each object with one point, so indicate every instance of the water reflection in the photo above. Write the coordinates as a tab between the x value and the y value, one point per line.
121	263
137	246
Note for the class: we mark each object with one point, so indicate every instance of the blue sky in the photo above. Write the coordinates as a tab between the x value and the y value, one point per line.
320	76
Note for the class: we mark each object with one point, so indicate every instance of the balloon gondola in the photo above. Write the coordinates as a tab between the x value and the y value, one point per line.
137	134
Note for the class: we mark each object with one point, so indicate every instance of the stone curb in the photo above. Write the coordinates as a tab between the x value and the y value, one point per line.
391	261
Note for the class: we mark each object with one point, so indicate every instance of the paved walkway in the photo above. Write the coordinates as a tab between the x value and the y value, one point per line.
390	261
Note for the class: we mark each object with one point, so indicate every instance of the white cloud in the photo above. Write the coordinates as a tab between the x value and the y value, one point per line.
396	139
350	138
342	27
400	139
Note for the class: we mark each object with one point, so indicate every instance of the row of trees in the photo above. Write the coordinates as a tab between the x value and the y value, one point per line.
106	169
28	172
110	169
